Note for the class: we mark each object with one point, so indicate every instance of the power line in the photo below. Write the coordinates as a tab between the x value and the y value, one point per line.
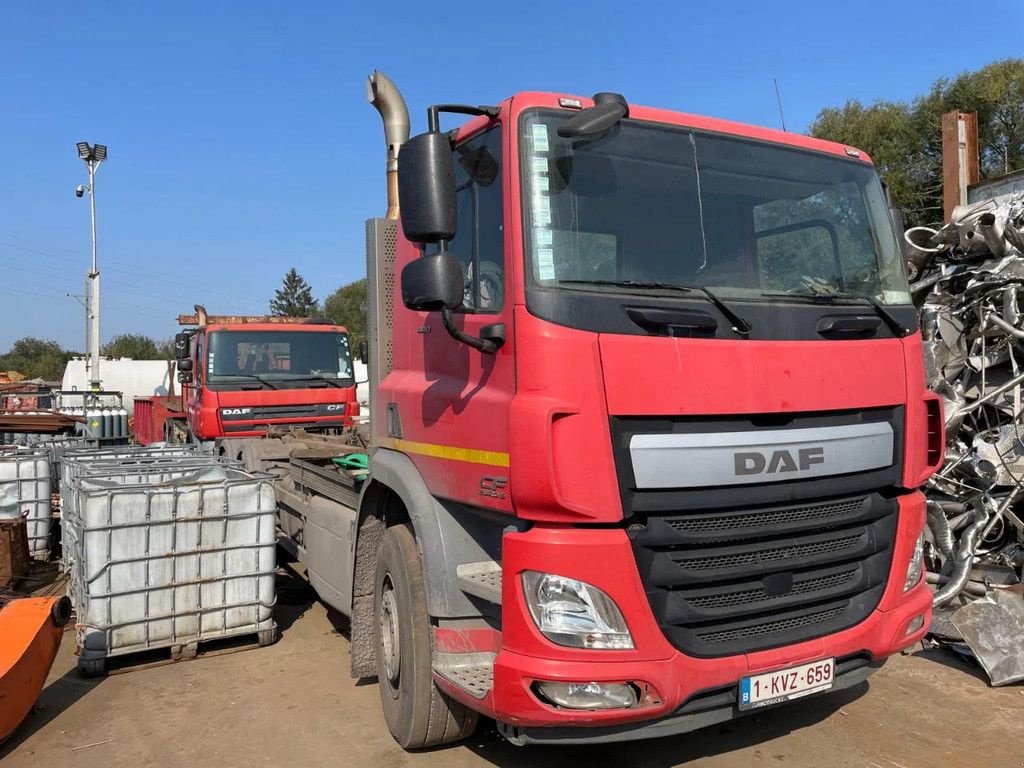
164	277
115	305
36	270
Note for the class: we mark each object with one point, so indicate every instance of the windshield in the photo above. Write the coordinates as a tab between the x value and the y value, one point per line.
278	355
653	203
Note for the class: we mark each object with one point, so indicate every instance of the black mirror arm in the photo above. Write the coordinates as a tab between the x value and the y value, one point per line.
434	113
488	346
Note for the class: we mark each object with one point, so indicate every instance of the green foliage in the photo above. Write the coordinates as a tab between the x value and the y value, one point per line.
138	347
347	306
905	138
294	298
37	359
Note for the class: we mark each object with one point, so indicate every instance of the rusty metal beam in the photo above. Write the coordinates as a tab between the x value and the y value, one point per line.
241	319
960	166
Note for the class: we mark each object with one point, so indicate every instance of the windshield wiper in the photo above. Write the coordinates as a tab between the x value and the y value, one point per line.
319	377
739	326
887	317
256	376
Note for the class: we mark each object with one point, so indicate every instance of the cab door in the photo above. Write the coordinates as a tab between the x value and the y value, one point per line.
454	400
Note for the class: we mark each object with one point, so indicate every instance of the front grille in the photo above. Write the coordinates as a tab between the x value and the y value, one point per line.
238	419
723	582
771	627
759	595
790	552
733	521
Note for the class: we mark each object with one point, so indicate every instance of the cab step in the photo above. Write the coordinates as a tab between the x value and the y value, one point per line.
472	672
481	580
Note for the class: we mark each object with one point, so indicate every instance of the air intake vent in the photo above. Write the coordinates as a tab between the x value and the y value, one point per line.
935	433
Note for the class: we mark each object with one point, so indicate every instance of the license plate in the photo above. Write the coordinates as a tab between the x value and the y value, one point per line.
785	684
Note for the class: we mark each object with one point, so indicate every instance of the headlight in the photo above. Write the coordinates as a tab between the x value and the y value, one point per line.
916	565
573	613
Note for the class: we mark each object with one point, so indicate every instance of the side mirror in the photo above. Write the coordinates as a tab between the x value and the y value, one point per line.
432	282
185	365
364	353
185	377
181	346
426	188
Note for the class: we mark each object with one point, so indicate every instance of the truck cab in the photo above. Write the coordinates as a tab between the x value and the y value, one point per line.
649	421
243	375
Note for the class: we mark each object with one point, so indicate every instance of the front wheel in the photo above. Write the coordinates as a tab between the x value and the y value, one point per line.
417	712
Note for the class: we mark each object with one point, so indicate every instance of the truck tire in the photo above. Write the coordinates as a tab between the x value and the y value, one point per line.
417	712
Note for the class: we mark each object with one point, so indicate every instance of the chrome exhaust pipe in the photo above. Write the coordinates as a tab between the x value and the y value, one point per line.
387	100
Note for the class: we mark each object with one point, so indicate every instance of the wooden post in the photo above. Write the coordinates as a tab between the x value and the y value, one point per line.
959	158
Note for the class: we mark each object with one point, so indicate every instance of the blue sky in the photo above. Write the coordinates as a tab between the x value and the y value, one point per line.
241	143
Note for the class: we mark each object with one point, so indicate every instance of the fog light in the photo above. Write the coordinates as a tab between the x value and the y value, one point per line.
916	565
589	695
915	624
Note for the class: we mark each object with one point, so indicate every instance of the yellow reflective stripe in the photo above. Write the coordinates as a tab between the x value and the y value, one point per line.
472	455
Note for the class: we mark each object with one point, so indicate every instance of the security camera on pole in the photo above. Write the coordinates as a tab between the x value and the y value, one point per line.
93	156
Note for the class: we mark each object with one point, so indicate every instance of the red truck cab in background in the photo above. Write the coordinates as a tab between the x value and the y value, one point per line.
241	375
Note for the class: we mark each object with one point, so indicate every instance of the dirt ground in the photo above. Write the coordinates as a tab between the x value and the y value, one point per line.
294	704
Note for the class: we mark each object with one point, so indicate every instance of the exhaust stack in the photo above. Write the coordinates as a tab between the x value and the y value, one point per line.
387	99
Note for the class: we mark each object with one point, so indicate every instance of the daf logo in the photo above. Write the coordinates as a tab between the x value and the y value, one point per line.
335	407
235	411
756	463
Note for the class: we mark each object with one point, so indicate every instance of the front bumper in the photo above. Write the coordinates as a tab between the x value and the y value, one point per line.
670	681
701	711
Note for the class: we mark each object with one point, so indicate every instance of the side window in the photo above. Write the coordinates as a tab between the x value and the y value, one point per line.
199	367
479	241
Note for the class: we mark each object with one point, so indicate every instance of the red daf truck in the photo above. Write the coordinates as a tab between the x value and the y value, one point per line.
243	374
648	423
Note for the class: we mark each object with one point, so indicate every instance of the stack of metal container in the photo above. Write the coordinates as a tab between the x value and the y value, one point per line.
165	548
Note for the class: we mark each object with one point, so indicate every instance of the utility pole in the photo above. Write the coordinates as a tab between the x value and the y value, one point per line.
93	156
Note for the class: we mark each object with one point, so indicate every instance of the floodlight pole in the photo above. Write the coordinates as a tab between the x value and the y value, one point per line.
94	293
93	157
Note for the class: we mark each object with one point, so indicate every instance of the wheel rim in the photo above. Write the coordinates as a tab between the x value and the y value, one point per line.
390	642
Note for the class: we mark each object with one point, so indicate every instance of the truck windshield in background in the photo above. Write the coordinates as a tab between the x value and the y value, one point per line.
286	358
654	203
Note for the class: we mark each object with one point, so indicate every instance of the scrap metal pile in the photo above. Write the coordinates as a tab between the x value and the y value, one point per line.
968	282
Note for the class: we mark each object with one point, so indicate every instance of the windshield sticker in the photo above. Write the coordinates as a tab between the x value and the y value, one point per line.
540	165
542	210
545	264
540	183
544	236
540	137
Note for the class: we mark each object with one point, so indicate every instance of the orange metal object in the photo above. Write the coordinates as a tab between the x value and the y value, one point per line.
30	633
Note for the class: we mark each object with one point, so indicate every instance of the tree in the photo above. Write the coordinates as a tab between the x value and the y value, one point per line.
37	359
137	347
347	306
294	298
905	138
